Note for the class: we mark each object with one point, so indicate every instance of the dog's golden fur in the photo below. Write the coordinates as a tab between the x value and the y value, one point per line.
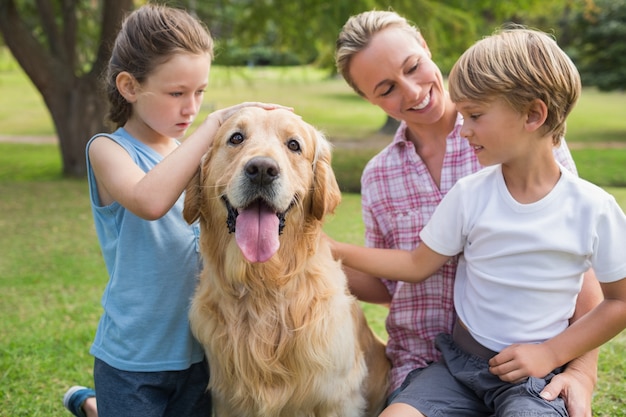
283	337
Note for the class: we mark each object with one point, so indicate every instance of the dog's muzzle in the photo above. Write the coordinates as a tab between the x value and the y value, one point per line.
231	219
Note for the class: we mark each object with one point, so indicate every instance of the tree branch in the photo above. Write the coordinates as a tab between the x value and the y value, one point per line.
34	59
113	13
50	29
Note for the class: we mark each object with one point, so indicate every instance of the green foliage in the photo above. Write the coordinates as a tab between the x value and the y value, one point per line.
257	56
448	28
598	43
313	25
84	28
305	30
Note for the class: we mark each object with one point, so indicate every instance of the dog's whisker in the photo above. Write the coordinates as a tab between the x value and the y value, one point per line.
209	187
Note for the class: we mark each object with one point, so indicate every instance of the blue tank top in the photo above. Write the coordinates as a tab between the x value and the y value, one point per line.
153	268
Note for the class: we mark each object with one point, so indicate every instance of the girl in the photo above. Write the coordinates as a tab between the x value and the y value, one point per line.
146	360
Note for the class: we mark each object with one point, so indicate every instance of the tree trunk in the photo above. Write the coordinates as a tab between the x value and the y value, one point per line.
52	62
78	114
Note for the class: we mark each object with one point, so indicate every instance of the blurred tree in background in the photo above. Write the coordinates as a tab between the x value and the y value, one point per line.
63	46
596	38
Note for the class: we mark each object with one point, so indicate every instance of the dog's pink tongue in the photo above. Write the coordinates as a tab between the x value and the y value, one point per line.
256	232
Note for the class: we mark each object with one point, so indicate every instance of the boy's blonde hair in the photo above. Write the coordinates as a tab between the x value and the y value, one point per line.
519	65
357	33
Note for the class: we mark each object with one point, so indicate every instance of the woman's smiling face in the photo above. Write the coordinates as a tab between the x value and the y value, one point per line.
396	72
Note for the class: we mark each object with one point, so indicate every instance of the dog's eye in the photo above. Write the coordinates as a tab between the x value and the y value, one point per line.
236	138
293	145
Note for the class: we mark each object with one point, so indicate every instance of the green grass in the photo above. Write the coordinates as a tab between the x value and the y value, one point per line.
22	111
52	276
604	166
598	117
22	162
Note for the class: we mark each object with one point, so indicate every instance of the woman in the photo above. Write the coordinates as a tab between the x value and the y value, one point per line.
387	61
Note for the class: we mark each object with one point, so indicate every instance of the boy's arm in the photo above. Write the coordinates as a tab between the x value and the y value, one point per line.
392	264
517	362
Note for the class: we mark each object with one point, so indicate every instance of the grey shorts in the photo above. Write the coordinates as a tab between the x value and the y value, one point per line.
460	384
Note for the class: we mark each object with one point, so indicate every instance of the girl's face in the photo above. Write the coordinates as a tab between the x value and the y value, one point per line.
169	99
396	73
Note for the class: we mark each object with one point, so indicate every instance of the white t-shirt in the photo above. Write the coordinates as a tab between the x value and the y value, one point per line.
522	264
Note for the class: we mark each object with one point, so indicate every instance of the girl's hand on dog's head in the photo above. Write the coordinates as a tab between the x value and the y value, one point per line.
222	115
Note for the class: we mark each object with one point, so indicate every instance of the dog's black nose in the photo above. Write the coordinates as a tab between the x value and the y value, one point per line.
262	170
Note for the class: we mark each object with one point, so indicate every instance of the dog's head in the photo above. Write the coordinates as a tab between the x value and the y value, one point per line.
267	172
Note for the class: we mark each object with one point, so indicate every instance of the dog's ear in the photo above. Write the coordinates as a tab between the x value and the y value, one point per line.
326	193
191	209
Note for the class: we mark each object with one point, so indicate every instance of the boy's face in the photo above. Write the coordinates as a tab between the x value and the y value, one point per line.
396	73
494	130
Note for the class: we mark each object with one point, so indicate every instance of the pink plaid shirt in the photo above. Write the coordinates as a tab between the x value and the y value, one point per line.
398	198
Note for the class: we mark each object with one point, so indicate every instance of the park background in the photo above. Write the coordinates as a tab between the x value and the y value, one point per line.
51	271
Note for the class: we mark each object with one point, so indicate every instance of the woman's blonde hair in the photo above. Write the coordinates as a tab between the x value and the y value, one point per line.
357	33
519	65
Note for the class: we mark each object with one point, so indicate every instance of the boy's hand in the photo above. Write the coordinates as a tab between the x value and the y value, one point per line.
520	361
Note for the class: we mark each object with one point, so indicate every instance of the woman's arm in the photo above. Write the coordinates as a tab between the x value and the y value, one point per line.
577	382
366	287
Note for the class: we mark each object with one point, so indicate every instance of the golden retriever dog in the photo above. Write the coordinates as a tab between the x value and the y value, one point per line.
282	334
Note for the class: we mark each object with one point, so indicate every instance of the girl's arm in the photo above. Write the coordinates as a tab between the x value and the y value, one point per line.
392	264
151	195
